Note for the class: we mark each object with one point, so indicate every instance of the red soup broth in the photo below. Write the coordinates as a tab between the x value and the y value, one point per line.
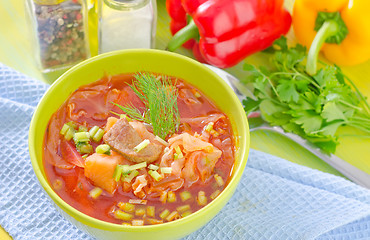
91	105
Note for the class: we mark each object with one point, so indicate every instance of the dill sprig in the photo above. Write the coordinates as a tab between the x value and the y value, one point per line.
159	96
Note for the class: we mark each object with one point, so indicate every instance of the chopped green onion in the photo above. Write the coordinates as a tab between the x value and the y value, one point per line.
153	221
214	133
150	211
138	166
123	170
85	156
117	173
163	142
187	213
140	211
117	114
137	222
215	194
183	208
197	94
163	197
131	176
155	175
171	197
202	199
69	134
126	170
164	214
122	215
64	129
81	137
166	170
185	195
72	125
103	149
83	147
98	135
173	216
153	167
141	145
209	126
95	193
126	224
178	152
220	182
82	128
138	201
122	116
127	207
93	130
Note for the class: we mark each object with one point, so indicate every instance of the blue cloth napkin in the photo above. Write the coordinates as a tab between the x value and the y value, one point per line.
275	199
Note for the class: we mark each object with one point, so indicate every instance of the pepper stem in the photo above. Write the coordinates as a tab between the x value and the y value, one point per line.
186	33
328	29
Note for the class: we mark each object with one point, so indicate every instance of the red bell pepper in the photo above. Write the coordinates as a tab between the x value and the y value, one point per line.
191	6
178	11
178	19
231	30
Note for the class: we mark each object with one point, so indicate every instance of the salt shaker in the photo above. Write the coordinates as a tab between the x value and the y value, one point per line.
125	24
59	33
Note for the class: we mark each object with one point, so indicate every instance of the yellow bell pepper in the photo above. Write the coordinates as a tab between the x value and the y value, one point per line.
340	28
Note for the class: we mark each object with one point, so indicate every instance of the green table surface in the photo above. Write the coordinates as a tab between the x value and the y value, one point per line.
16	52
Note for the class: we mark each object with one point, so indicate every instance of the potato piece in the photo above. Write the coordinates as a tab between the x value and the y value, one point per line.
99	168
110	122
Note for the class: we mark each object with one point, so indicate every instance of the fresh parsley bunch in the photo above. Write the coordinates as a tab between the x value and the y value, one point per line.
310	106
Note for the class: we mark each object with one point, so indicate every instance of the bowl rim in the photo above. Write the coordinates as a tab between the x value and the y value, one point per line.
100	224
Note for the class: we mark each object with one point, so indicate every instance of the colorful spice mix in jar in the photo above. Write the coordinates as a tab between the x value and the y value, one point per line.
60	32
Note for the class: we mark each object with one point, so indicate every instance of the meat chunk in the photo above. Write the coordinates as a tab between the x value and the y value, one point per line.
122	137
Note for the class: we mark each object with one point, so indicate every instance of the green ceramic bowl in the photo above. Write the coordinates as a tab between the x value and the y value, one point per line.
127	61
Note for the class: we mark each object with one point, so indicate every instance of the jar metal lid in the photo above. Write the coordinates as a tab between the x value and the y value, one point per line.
48	2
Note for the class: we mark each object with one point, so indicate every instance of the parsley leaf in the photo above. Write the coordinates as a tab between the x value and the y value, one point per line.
309	120
313	107
287	91
331	129
331	112
250	105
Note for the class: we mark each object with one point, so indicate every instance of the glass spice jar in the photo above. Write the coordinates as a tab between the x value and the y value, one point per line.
126	24
59	29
